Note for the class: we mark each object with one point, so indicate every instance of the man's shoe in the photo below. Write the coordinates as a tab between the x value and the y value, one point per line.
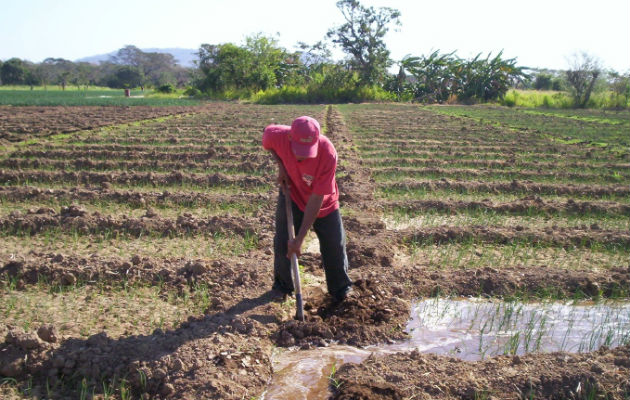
278	295
346	293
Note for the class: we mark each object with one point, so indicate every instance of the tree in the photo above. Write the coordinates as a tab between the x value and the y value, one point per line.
258	65
435	76
488	79
223	66
543	81
582	74
128	55
126	77
31	78
620	84
13	72
361	36
158	68
271	64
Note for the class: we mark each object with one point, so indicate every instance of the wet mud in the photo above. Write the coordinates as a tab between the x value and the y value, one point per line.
549	376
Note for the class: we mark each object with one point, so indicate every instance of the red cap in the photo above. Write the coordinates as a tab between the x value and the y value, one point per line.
305	137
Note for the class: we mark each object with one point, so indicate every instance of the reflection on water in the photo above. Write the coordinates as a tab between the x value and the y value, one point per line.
467	329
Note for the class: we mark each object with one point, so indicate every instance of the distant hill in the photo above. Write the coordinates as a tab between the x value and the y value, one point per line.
184	57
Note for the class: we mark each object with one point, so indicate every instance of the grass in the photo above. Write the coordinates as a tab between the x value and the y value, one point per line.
492	164
391	191
72	96
402	218
557	128
550	99
109	245
475	254
119	310
119	207
394	175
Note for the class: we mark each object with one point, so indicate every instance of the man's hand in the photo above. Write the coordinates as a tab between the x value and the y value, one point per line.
294	246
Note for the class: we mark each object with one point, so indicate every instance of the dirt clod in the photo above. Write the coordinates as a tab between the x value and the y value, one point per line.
48	333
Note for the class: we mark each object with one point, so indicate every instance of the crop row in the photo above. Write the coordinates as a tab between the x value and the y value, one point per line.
492	164
175	178
219	153
567	129
388	174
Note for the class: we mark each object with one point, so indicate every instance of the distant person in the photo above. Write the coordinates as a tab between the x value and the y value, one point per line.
307	161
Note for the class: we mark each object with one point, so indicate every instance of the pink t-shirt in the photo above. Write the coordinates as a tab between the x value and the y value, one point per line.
312	175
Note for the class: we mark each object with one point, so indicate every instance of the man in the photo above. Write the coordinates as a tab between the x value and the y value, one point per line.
307	161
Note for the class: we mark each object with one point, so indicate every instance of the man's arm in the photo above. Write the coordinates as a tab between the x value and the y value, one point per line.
313	205
283	179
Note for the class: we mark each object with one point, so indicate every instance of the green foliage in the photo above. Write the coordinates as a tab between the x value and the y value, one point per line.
361	37
258	65
167	88
13	72
562	100
192	92
620	86
156	69
442	77
126	77
302	95
487	79
543	81
435	76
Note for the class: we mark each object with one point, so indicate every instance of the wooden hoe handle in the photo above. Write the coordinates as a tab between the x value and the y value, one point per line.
294	260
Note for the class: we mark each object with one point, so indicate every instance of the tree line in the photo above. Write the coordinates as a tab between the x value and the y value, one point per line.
130	67
261	70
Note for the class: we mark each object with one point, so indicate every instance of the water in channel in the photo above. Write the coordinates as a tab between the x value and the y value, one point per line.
470	329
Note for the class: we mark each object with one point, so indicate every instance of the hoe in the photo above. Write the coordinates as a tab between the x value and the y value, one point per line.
299	314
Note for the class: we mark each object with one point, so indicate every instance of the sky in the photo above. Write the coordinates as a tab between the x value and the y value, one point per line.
539	33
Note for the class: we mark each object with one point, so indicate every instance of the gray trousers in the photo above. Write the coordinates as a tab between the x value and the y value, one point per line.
332	245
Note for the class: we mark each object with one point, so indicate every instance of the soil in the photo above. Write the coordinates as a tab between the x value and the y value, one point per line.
557	236
480	173
126	178
130	197
22	123
543	376
519	206
226	353
515	186
76	219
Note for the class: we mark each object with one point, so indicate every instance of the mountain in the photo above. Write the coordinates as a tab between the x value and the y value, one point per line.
184	57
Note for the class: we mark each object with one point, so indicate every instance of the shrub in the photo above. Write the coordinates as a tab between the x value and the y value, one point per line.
166	88
192	92
510	99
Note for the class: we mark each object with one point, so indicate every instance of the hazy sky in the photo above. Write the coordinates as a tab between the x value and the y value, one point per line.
540	33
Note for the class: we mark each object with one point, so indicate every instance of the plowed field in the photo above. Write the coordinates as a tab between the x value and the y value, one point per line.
137	258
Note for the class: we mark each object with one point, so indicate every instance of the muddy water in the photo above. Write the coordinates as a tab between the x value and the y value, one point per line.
467	329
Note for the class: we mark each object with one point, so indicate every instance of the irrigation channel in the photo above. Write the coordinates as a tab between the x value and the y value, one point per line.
469	329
